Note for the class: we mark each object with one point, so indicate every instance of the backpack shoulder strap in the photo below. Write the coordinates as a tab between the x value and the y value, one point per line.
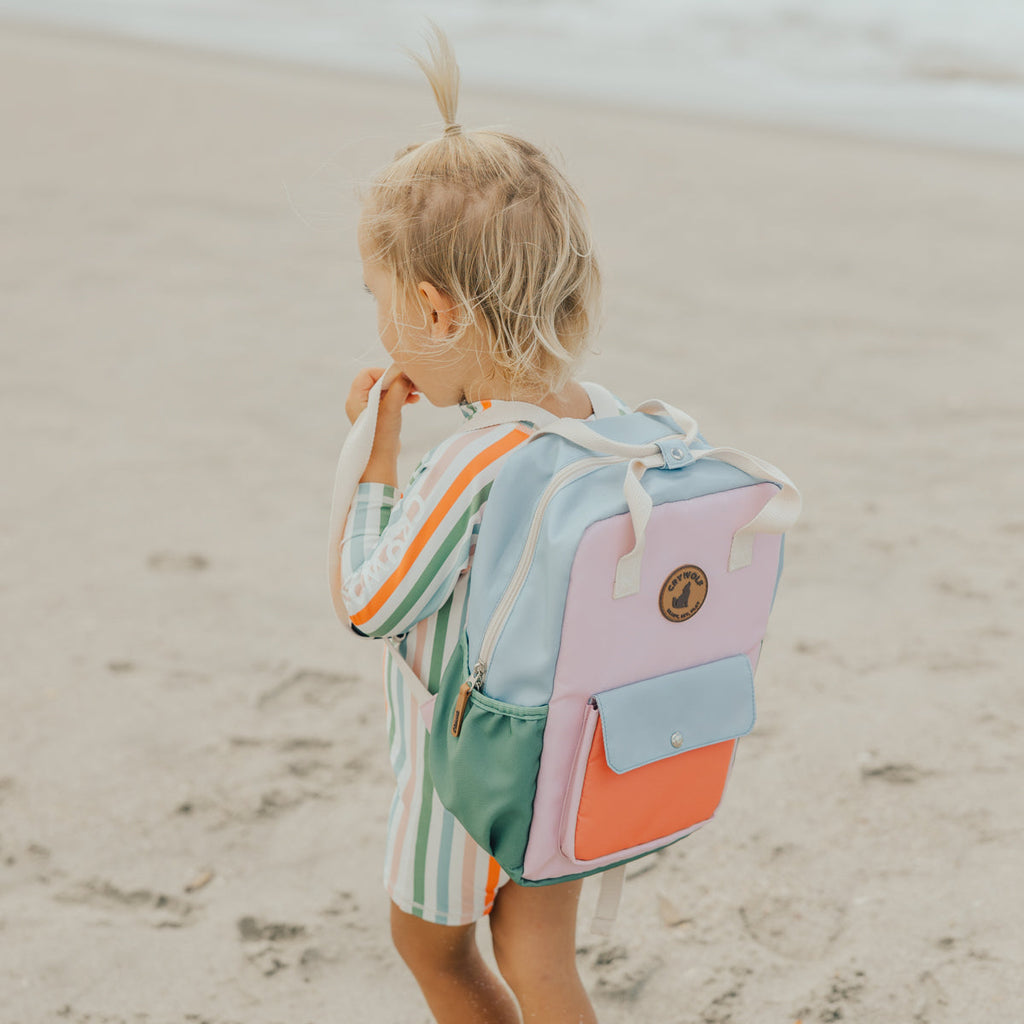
603	401
355	453
495	413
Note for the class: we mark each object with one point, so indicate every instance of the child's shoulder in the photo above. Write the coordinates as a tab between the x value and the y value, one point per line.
466	455
477	448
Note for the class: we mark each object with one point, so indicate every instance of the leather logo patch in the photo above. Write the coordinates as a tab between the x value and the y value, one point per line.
683	593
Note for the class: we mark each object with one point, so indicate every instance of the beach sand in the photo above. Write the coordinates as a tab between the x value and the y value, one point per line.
193	781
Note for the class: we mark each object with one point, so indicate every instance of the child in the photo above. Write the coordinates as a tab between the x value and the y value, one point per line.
478	254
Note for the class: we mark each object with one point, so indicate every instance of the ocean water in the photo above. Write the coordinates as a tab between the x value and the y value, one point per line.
940	71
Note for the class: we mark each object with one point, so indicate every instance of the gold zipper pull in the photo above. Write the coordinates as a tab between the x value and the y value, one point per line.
474	682
461	704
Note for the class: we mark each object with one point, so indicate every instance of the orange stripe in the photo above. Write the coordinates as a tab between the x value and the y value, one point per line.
452	452
443	507
493	874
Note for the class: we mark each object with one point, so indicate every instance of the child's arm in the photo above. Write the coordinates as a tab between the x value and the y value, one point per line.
402	556
382	466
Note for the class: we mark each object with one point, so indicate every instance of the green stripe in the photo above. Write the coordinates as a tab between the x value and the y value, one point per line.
363	504
427	793
437	646
358	556
444	859
386	506
457	535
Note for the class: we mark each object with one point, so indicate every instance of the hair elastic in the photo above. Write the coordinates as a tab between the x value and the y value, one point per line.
453	129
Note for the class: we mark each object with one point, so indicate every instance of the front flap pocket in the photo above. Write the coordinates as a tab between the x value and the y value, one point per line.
695	707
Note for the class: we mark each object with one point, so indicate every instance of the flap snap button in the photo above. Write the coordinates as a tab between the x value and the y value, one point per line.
676	739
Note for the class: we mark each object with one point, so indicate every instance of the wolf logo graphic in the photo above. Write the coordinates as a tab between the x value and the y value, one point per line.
683	593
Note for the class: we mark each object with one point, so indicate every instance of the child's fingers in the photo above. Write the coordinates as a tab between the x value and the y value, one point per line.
399	393
387	440
390	375
408	390
366	378
359	391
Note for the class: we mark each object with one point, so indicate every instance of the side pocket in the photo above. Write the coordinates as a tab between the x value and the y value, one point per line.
487	775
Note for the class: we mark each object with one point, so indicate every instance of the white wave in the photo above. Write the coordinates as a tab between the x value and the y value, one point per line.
940	70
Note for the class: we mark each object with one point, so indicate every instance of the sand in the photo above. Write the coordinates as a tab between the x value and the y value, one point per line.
193	783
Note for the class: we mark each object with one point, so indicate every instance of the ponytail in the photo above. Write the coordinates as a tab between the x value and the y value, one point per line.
487	219
442	73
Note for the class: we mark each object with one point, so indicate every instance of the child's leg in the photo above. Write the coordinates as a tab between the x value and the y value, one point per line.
533	929
457	984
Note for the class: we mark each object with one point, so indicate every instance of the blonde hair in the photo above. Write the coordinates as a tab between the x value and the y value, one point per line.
487	219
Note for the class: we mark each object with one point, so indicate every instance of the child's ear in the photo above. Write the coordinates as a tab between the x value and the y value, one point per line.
440	310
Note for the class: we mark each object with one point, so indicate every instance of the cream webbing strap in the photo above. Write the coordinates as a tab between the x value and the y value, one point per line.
495	413
602	400
608	898
777	516
779	513
628	567
355	453
684	420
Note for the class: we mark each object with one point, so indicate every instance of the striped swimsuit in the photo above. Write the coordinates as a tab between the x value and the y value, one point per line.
405	571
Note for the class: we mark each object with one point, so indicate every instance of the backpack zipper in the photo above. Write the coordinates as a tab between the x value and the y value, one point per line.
497	623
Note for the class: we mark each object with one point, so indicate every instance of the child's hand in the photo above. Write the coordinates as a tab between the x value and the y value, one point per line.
359	393
383	463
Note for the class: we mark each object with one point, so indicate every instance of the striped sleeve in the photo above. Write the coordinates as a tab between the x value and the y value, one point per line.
368	517
402	557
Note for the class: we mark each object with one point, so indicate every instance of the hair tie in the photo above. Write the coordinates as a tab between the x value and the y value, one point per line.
453	129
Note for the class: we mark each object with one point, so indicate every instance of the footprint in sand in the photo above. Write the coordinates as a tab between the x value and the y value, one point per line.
177	561
306	688
721	1009
345	916
271	948
618	974
793	927
26	864
895	774
267	777
161	910
931	999
839	1003
252	929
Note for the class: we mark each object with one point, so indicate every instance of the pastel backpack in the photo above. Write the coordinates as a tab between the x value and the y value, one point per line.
621	585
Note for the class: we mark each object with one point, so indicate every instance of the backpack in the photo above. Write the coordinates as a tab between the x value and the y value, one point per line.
621	585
